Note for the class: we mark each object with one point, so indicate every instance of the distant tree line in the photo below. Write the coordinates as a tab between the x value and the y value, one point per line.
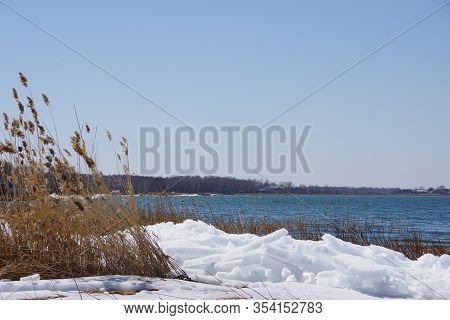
230	185
219	185
185	184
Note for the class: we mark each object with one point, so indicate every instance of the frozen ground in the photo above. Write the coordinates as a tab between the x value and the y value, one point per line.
226	266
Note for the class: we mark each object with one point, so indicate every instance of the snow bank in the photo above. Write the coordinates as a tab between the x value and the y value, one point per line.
207	253
246	266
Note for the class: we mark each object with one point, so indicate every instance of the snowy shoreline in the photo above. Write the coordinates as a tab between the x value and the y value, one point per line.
246	266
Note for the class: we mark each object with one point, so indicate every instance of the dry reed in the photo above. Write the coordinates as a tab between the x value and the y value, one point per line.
50	221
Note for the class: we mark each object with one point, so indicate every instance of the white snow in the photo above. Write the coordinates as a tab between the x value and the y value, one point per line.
202	250
246	266
129	287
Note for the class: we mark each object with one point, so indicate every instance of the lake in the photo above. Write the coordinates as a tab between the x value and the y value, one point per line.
430	215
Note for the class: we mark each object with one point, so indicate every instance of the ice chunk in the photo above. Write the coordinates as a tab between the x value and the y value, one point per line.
34	277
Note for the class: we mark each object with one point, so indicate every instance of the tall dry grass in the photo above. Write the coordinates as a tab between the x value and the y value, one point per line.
394	236
50	221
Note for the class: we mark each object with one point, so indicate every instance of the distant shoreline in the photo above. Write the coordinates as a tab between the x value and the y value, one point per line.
291	194
230	185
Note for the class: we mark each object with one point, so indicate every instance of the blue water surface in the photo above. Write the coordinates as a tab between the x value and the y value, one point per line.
430	215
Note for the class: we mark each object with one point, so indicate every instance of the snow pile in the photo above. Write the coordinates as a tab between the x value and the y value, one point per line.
207	253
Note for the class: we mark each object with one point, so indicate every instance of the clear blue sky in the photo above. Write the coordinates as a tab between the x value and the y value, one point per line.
385	123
